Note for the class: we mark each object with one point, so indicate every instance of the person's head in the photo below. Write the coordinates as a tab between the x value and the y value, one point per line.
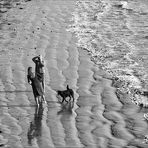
29	70
39	59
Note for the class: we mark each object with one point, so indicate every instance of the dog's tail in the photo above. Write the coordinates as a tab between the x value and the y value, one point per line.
67	87
71	92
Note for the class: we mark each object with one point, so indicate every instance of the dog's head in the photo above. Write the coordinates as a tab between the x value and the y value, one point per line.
58	92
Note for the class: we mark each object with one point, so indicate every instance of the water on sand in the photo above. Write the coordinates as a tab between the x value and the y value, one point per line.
115	33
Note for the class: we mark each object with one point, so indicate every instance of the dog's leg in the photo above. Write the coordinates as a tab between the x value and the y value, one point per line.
73	98
70	98
66	100
72	95
63	99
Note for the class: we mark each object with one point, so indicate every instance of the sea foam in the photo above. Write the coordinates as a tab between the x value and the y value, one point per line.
103	29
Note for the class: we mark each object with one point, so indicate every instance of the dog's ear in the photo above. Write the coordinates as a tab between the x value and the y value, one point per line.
67	87
56	91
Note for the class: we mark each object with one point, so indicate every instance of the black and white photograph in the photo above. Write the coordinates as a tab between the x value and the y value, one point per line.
73	73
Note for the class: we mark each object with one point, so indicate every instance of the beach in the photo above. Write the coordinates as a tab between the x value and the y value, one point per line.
99	118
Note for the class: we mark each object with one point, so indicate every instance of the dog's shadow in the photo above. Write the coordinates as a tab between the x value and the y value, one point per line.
66	108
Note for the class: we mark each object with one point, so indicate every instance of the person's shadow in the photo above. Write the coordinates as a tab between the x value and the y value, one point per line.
34	130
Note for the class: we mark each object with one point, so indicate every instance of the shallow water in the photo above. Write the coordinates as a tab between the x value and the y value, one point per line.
115	33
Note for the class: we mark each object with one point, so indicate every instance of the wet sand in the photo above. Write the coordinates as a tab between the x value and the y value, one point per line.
99	119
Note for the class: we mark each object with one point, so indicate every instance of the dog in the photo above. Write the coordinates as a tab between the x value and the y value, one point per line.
66	93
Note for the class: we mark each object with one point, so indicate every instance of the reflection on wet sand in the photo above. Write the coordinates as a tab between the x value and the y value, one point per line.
66	108
36	125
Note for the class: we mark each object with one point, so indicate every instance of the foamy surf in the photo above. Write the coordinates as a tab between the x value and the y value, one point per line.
105	29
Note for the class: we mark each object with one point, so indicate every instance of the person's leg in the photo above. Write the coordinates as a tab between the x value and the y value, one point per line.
43	83
43	99
37	101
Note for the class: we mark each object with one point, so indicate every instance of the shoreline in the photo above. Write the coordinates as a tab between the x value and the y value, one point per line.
90	37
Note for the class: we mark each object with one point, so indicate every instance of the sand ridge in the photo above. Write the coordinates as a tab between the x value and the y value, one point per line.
98	119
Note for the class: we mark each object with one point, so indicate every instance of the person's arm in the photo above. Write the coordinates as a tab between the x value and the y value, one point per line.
28	78
35	59
42	63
